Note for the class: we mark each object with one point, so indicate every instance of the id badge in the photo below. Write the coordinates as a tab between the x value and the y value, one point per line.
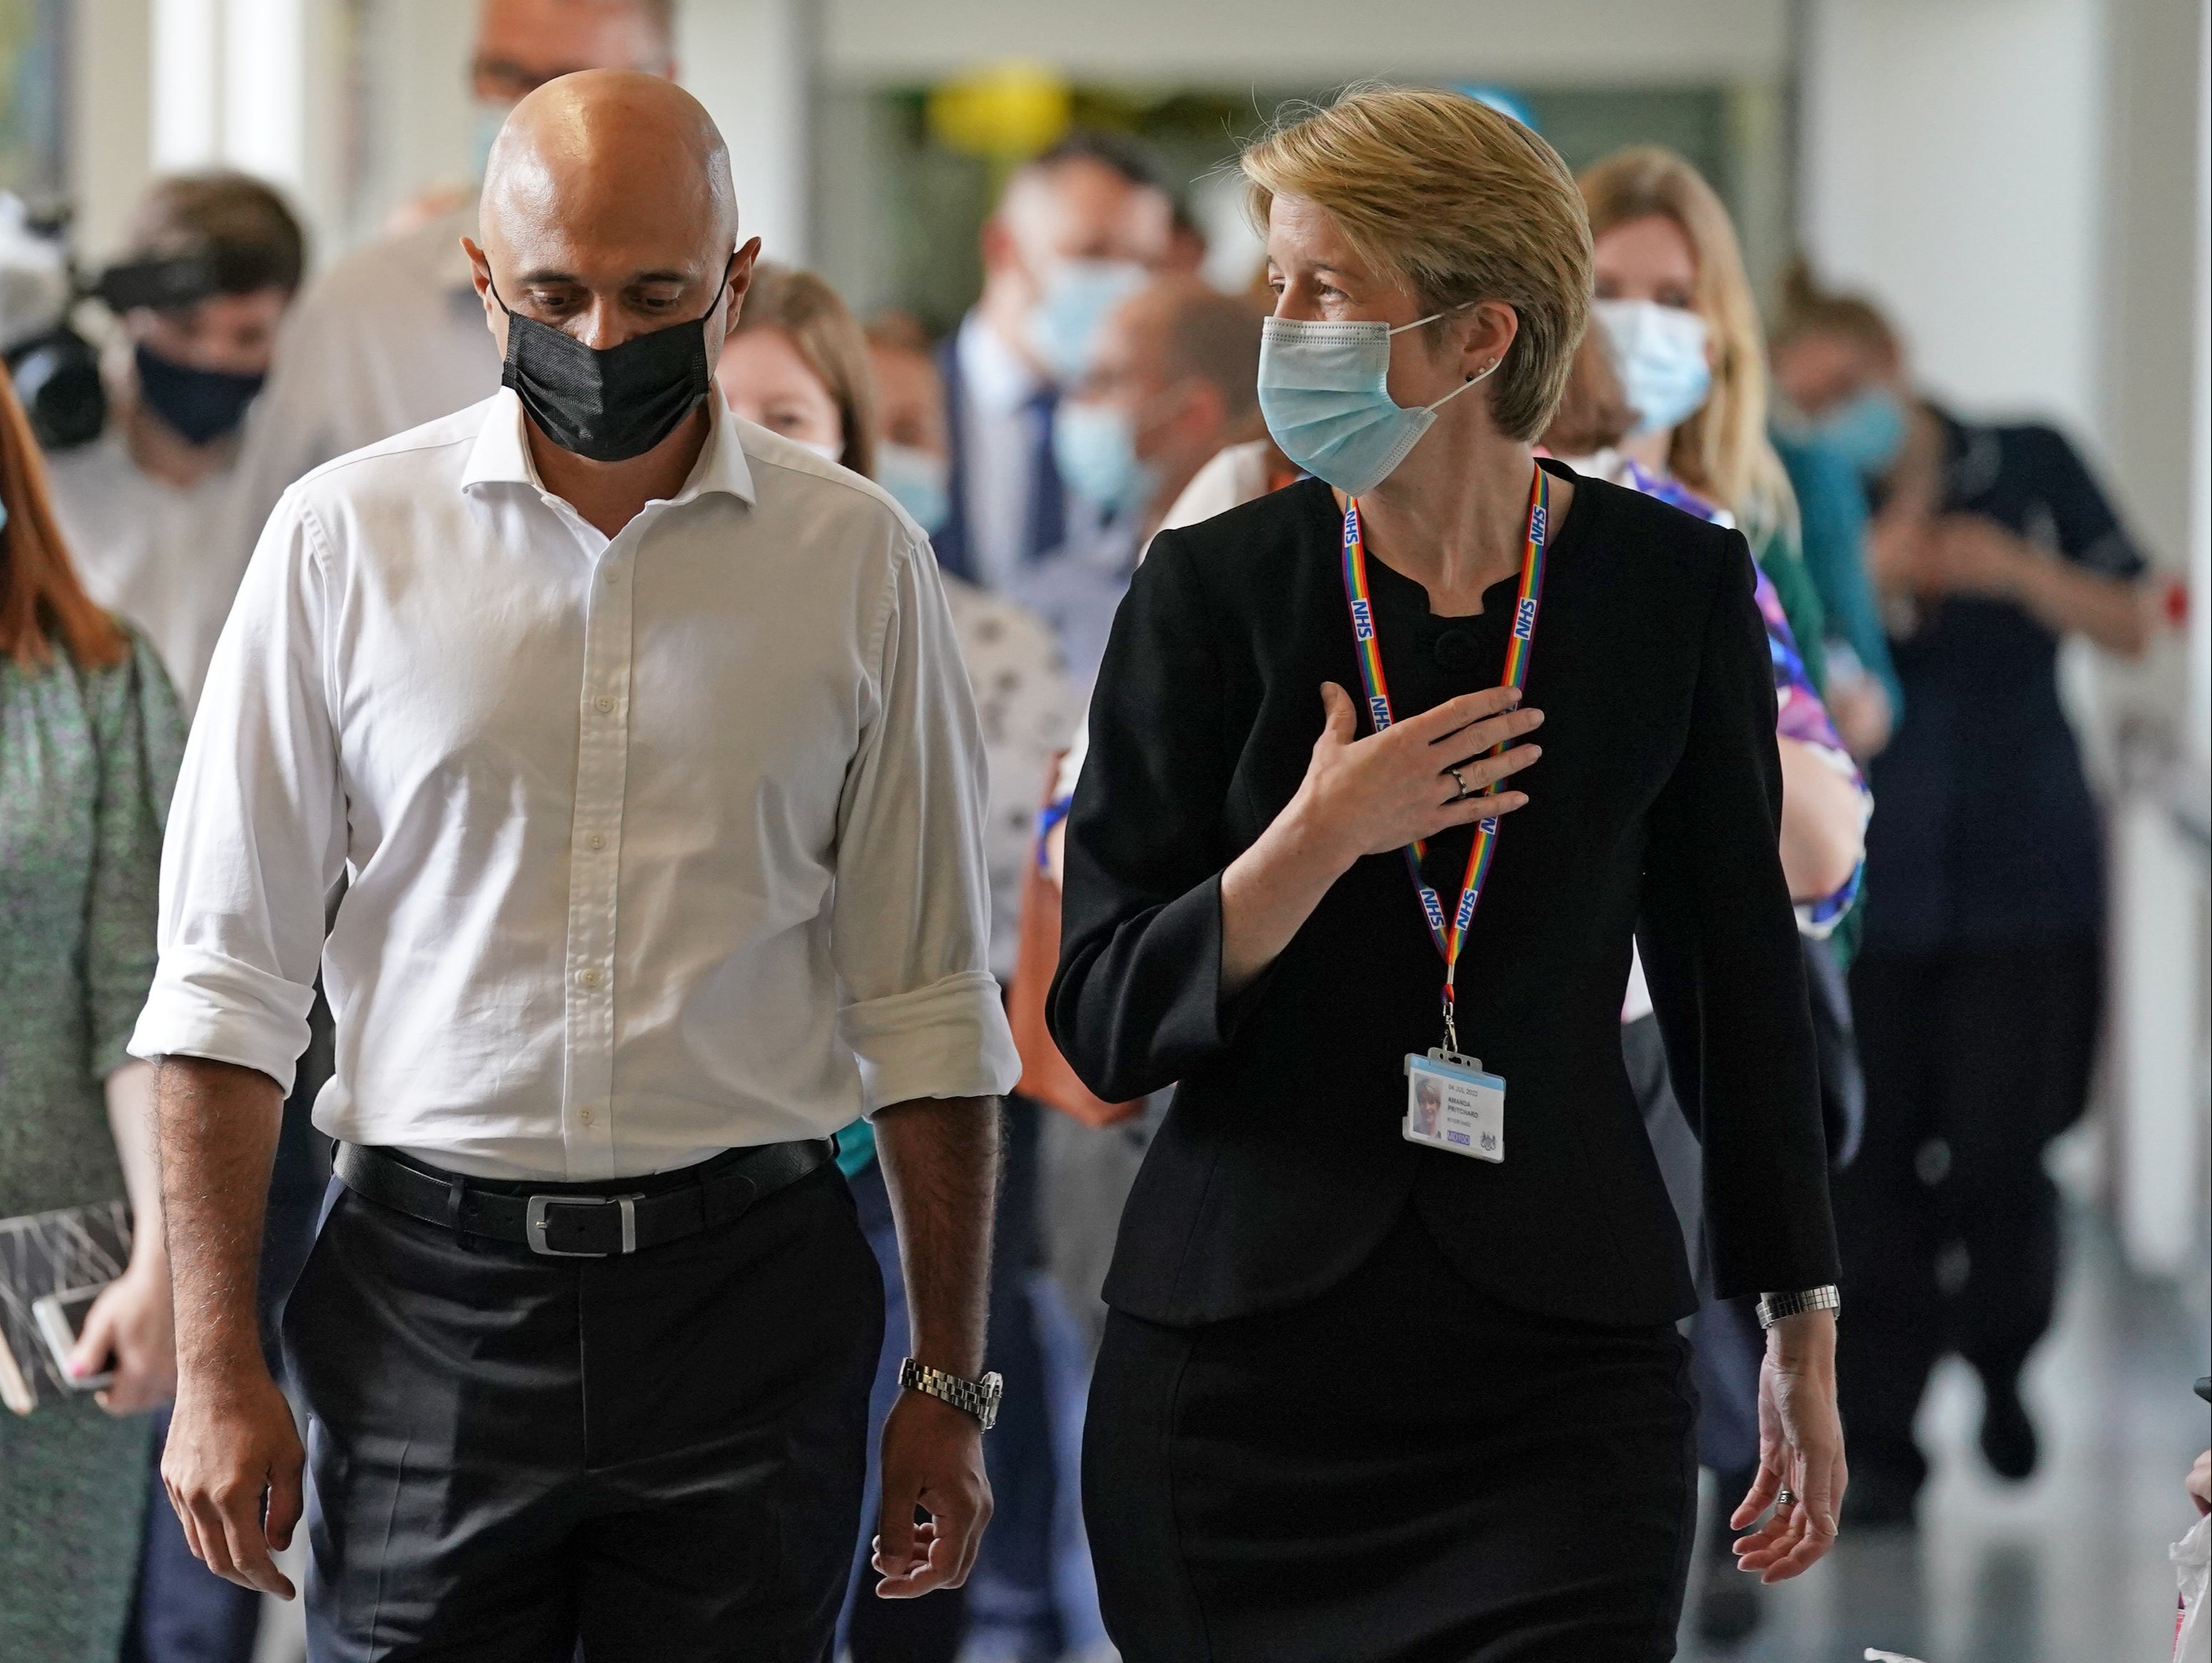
1452	1105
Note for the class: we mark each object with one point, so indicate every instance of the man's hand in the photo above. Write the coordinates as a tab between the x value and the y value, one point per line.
932	1461
131	1325
233	1471
1800	1446
941	1165
234	1459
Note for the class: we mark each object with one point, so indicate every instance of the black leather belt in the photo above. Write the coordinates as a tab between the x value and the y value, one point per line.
582	1221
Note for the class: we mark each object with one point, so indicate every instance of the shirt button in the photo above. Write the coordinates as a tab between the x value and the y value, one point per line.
613	576
589	978
585	1117
603	704
596	841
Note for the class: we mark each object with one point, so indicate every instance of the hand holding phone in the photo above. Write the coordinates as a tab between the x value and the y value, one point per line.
61	1318
121	1335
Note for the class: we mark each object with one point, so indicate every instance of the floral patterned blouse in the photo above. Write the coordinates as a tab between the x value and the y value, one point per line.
1798	713
87	758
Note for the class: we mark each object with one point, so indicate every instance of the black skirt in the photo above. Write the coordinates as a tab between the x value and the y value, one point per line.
1401	1471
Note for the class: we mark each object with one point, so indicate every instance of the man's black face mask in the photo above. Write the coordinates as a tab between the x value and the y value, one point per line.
609	404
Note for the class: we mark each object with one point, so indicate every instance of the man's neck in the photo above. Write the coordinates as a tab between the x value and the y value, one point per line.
610	494
1454	517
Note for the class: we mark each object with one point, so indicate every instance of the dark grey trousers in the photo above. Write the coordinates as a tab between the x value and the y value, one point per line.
517	1460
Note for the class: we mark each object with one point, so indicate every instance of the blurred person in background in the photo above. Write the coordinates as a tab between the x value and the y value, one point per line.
797	363
92	737
1288	1455
1081	228
1175	386
1821	844
1864	695
1172	384
150	511
149	507
1980	984
393	335
913	447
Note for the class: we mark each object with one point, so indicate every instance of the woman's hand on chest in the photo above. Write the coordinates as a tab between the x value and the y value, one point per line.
1421	776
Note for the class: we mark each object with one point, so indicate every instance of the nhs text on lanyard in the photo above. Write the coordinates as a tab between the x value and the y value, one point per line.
1450	1102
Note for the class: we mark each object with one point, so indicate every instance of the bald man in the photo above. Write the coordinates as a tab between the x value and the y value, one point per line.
643	737
388	337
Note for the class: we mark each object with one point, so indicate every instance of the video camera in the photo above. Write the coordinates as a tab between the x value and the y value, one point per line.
56	369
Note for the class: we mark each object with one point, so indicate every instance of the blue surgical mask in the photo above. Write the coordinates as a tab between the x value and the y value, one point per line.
1095	447
1659	353
919	482
1065	322
1324	390
1868	429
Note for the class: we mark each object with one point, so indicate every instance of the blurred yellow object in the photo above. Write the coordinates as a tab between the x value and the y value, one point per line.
1007	111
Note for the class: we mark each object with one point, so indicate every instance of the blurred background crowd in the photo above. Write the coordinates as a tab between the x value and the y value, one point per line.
1913	290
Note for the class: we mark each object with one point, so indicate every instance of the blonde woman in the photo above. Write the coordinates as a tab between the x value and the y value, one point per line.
1369	1391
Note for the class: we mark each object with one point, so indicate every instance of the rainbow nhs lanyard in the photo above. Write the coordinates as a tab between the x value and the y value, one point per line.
1448	933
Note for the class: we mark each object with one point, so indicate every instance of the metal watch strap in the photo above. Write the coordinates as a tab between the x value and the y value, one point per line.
979	1398
1772	1307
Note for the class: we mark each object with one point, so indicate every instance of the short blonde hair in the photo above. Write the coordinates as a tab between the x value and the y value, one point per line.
1462	204
1721	452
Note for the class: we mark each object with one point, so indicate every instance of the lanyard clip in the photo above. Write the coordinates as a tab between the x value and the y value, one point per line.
1451	1027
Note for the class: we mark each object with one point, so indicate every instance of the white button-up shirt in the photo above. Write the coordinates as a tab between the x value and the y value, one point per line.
658	844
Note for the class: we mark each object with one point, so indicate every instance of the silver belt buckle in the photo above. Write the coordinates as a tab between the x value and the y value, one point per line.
533	1222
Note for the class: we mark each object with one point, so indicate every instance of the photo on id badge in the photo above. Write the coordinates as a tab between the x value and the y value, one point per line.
1452	1105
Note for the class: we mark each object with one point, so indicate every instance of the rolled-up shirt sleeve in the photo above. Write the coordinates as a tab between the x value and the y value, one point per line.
256	834
910	926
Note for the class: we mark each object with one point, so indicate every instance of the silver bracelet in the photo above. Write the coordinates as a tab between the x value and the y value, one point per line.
1772	1307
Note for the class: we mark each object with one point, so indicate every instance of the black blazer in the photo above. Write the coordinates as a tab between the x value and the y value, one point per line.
1655	810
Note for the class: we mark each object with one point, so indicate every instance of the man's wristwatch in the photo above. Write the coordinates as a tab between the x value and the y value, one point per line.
979	1398
1772	1307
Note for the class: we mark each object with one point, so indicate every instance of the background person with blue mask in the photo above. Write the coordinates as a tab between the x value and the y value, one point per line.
1675	308
1170	386
1979	985
1078	230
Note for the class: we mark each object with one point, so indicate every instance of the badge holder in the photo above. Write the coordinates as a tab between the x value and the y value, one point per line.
1452	1104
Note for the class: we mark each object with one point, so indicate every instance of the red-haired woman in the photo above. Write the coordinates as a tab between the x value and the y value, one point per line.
89	740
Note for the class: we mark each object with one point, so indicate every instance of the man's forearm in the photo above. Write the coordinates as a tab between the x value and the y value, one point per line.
941	1165
218	1133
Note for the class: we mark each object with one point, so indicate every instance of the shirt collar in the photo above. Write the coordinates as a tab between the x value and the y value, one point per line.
991	373
500	455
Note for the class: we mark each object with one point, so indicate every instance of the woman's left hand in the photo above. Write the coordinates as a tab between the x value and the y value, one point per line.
1800	1447
131	1323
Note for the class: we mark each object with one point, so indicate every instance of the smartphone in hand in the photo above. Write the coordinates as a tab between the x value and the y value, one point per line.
60	1318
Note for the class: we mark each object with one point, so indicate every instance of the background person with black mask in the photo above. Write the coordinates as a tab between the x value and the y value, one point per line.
149	508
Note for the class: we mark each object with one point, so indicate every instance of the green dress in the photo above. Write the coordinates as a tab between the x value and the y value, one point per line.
87	762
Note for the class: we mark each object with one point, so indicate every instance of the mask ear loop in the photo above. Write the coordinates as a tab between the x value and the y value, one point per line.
1482	375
